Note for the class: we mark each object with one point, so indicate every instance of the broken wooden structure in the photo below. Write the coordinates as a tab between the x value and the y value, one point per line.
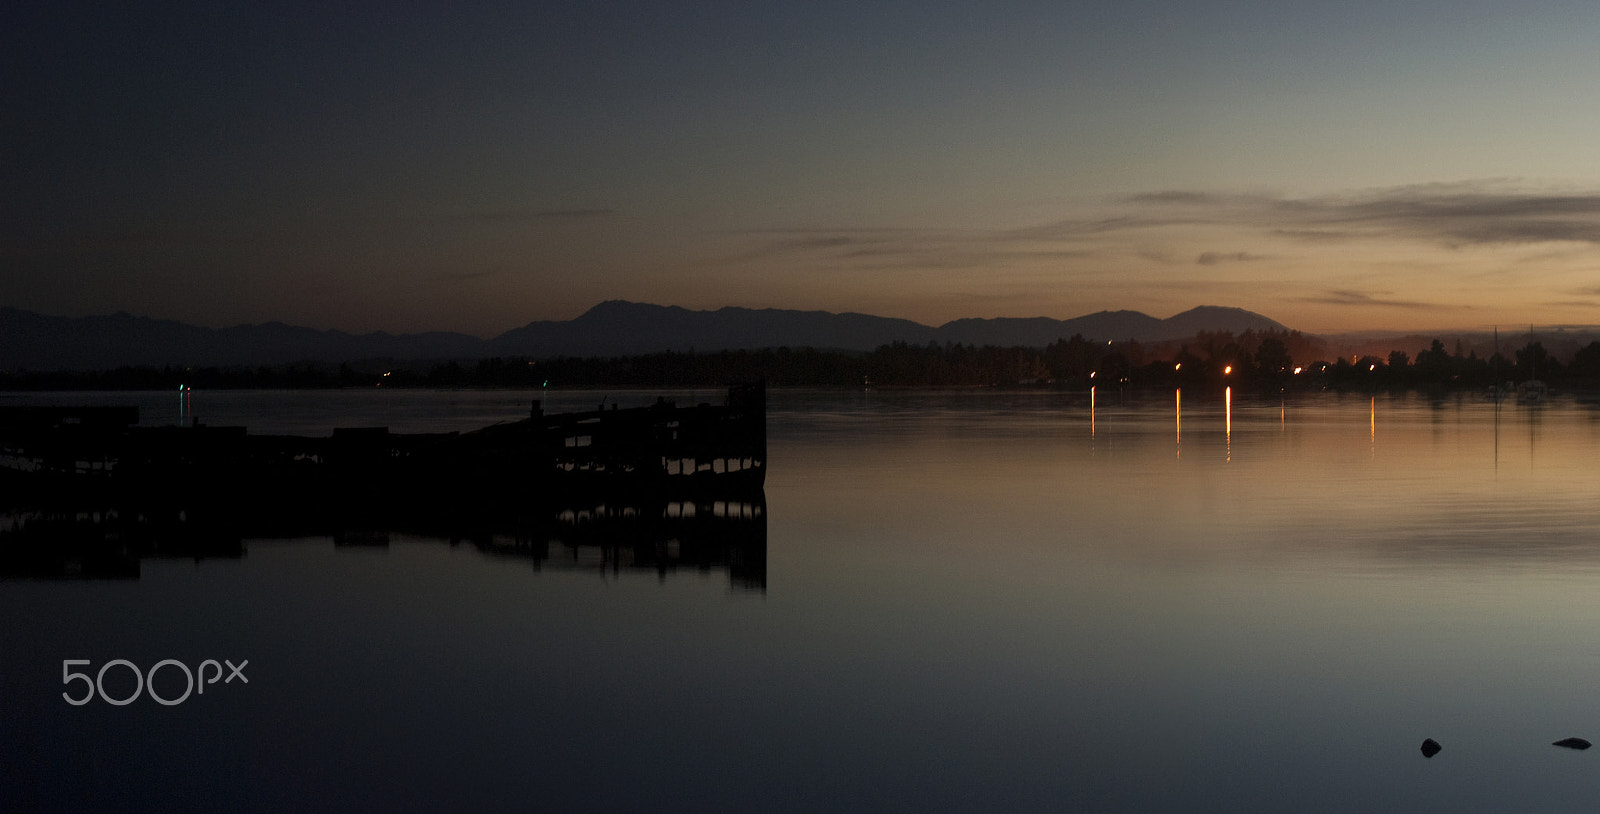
85	491
661	451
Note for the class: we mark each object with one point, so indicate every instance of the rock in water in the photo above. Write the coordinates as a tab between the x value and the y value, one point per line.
1430	747
1573	743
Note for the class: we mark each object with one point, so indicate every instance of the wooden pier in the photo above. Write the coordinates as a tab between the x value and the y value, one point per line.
87	493
660	452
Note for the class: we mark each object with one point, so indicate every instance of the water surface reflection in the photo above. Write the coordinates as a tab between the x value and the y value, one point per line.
606	537
979	600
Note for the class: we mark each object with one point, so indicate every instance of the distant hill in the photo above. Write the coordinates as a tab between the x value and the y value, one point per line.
619	328
1214	318
1040	331
1113	325
30	341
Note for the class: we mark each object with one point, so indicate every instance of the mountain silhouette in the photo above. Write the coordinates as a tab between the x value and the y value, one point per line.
1040	331
31	341
618	328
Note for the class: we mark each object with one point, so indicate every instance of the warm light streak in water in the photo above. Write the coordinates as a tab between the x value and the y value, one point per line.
1227	401
1091	412
1177	415
1372	425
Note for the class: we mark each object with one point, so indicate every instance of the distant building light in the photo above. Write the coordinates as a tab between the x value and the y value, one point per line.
1227	370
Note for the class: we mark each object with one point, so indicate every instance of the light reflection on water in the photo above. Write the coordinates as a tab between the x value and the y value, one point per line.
975	600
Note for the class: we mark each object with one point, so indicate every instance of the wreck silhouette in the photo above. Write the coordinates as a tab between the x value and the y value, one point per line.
89	494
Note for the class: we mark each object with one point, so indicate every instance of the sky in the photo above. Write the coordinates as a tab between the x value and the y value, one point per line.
473	167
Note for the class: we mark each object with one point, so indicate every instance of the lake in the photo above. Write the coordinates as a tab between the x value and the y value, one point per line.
972	601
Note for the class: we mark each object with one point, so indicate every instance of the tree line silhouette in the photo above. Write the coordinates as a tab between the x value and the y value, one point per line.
1270	359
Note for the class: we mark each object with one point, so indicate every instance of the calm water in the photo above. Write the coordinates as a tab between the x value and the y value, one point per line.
974	601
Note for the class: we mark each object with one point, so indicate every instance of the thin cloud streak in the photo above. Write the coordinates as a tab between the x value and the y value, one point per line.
1358	299
497	216
1453	215
909	248
1315	235
1213	258
1469	213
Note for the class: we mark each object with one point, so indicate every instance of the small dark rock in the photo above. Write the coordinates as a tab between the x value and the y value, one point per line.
1430	747
1573	743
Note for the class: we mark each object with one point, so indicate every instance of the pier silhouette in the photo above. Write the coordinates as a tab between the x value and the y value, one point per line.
89	494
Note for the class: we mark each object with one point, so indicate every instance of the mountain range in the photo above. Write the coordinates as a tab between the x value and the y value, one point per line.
31	341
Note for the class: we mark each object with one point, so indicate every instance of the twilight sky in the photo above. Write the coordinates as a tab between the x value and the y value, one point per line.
429	166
